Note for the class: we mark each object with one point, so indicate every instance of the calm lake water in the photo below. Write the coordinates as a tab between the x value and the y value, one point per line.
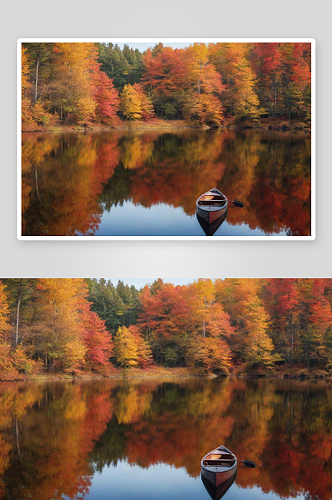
146	183
144	439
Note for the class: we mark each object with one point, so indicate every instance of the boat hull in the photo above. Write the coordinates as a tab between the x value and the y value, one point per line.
210	215
216	473
217	478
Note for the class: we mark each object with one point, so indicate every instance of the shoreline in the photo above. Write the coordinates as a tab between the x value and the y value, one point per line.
281	126
169	373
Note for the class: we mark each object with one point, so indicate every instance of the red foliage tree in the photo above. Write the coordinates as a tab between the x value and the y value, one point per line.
106	96
97	341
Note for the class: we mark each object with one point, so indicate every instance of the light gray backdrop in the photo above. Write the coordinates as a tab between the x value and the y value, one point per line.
171	18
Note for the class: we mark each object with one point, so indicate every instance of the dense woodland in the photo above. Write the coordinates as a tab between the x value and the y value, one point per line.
86	83
221	326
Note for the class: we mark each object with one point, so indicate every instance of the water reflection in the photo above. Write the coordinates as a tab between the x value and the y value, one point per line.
210	229
107	182
74	440
221	490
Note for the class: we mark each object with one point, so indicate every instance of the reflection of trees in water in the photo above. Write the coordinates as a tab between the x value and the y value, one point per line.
57	425
117	189
66	431
68	179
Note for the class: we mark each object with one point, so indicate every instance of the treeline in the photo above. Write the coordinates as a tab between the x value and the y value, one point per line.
216	326
81	83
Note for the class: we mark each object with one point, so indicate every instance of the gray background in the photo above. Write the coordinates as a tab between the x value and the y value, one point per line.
152	18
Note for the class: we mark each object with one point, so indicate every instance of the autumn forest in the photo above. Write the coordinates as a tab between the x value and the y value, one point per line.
231	326
213	84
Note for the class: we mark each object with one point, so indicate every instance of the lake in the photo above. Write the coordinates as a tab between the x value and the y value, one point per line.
146	182
144	438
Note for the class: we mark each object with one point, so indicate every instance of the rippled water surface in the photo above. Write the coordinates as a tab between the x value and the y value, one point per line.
144	439
145	183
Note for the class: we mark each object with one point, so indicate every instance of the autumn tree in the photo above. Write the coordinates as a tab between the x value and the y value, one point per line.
281	299
203	101
164	319
106	96
33	109
72	82
283	78
135	105
20	294
296	79
165	79
315	320
39	54
239	97
4	310
251	342
130	349
5	355
208	345
207	315
57	331
25	87
266	63
97	341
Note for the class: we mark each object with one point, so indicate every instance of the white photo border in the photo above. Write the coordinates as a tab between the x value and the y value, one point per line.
312	41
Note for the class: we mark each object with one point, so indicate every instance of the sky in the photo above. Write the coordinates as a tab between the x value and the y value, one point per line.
145	45
141	282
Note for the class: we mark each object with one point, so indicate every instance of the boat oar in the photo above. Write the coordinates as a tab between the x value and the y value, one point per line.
236	203
247	463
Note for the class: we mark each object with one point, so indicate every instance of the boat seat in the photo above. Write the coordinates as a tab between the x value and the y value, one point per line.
212	202
219	463
215	197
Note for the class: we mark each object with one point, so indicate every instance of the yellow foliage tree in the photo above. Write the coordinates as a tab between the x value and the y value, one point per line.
74	353
58	332
26	113
73	91
130	348
239	97
135	105
126	348
21	361
4	310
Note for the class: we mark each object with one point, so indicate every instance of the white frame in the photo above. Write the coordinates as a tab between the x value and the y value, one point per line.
312	41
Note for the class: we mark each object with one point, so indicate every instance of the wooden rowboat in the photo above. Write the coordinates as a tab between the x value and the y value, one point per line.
211	205
218	466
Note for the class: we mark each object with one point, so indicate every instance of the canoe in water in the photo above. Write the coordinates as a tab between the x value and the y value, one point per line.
211	205
218	466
